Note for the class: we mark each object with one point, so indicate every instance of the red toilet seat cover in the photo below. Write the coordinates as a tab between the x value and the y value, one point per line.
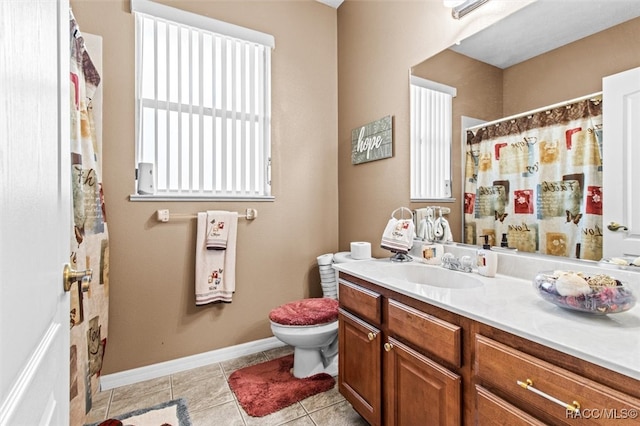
313	311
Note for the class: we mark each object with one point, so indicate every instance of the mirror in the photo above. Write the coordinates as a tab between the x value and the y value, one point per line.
546	53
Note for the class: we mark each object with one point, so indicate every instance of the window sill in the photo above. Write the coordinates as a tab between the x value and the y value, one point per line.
151	197
433	200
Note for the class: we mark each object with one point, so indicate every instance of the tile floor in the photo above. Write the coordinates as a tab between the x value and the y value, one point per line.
211	402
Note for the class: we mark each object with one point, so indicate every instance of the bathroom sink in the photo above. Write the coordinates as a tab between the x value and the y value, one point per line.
427	275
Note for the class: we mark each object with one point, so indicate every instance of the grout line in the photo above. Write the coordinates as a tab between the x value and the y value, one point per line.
106	414
171	386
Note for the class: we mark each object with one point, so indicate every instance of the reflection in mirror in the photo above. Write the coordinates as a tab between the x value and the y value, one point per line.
535	181
430	139
533	74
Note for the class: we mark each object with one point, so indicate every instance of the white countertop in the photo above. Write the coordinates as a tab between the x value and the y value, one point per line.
511	304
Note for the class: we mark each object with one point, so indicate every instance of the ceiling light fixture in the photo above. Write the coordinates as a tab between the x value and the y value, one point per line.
459	8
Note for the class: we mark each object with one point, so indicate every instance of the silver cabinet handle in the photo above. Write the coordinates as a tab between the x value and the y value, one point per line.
575	406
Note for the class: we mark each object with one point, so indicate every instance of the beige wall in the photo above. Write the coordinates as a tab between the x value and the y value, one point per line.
569	72
573	70
153	317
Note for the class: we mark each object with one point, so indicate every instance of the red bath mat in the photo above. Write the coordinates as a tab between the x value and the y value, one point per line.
265	388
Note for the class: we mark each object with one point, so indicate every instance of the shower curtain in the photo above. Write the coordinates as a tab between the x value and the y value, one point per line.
536	181
89	241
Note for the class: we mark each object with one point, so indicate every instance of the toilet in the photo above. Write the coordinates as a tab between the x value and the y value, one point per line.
311	325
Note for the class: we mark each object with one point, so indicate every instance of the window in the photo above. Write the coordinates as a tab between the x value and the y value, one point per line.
203	98
431	133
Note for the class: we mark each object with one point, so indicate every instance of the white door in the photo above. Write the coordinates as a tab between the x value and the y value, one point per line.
621	169
35	206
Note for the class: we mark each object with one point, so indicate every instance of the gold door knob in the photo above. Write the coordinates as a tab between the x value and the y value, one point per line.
614	226
371	336
388	347
69	276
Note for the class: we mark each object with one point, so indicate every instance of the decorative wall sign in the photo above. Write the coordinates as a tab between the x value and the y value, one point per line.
373	141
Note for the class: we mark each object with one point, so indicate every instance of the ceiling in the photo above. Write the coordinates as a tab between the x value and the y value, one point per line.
526	33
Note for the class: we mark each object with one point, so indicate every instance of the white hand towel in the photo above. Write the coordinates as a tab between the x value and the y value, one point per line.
215	270
398	235
442	230
217	230
419	220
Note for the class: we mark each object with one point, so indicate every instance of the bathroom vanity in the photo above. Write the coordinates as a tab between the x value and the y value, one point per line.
488	351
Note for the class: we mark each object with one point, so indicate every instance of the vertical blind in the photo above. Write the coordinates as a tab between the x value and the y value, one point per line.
431	133
203	104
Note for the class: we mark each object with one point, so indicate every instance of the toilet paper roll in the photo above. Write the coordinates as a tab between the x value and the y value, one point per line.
360	250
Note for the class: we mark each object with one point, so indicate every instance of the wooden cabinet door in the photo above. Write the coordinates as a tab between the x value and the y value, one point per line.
359	362
419	391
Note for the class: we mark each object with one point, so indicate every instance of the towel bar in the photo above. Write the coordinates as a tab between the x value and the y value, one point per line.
163	215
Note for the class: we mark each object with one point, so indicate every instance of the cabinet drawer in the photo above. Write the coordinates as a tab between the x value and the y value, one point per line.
365	303
425	331
492	410
501	367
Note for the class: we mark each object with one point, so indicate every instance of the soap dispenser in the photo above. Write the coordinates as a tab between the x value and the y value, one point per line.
487	260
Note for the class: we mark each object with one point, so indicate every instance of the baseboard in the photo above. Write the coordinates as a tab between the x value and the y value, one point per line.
161	369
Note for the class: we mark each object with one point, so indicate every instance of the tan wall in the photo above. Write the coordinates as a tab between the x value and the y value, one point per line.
569	72
573	70
378	43
153	317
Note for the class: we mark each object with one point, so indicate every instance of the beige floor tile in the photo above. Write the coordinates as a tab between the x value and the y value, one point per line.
100	401
97	414
137	389
302	421
278	352
135	402
340	414
285	415
227	414
210	401
322	400
188	376
244	361
204	393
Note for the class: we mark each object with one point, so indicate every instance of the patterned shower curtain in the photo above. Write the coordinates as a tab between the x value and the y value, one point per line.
89	242
537	180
